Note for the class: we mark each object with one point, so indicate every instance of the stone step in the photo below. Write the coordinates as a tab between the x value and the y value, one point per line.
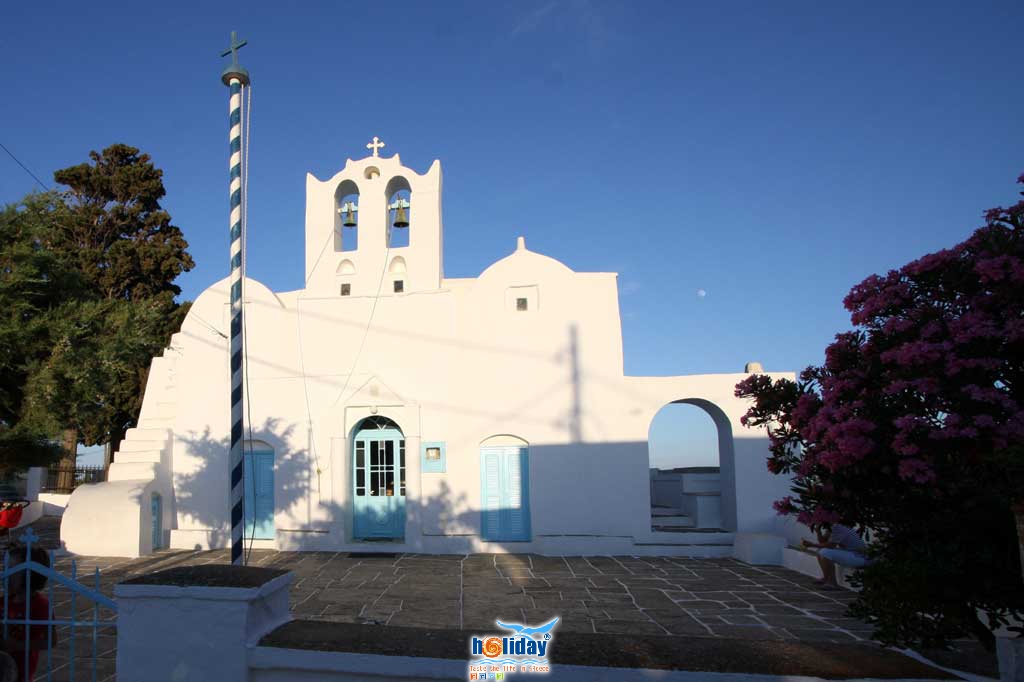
138	456
131	471
147	434
665	511
689	537
701	483
680	520
155	422
139	445
683	550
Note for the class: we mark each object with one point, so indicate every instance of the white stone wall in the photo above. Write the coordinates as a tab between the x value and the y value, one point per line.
449	360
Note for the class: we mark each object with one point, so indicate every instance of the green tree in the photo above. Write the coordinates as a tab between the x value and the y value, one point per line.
108	229
86	299
98	350
32	281
121	240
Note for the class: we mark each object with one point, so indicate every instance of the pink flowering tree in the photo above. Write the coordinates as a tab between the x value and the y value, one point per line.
911	432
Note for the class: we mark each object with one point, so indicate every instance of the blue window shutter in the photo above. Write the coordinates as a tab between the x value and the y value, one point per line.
490	494
505	494
516	503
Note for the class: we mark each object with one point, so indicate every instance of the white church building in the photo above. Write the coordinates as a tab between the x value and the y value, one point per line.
394	408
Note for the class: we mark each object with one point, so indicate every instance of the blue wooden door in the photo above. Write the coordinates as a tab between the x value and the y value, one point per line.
505	494
378	483
156	510
259	495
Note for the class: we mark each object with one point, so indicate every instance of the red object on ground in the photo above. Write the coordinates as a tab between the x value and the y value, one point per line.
10	518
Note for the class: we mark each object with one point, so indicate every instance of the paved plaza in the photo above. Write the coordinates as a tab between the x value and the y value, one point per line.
627	595
637	596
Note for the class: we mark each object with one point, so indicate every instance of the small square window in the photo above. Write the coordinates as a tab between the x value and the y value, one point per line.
432	458
346	289
522	304
399	286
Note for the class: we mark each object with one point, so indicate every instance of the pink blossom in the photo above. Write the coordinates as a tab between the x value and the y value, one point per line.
916	470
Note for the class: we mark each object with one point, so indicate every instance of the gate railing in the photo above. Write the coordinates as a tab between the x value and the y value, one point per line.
63	479
29	567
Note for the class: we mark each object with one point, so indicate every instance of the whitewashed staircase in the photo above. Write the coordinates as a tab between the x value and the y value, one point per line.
145	452
686	517
114	518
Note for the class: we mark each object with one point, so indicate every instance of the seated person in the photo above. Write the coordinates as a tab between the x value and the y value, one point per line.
837	545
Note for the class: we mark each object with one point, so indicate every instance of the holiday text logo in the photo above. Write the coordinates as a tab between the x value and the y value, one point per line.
494	657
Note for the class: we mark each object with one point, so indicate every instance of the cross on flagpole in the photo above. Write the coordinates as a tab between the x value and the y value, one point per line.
235	47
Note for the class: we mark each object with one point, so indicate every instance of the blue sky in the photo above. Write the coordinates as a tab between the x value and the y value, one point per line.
771	154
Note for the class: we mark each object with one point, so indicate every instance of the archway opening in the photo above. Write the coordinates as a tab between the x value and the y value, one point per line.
399	217
690	459
346	217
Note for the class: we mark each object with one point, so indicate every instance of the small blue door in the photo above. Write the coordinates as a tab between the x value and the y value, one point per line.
505	494
259	495
378	464
156	510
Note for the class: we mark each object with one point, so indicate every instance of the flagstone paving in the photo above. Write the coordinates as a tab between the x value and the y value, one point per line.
636	596
604	594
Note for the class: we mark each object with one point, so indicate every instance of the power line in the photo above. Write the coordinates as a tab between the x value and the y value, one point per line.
24	167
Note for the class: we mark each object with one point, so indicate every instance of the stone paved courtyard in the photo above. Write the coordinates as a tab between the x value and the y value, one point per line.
646	595
657	596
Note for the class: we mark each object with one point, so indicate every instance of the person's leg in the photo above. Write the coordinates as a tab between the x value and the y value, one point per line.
828	568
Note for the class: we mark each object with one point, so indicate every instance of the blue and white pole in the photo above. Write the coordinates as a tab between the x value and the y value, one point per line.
234	76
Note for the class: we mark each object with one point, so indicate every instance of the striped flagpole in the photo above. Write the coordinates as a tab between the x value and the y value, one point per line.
235	77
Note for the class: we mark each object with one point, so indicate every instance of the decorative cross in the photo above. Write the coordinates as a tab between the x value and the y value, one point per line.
375	145
235	47
29	537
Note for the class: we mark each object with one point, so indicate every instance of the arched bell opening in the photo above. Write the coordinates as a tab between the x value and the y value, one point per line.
346	216
691	461
399	203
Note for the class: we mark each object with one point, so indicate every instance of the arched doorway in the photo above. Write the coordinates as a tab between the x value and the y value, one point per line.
505	489
691	461
378	481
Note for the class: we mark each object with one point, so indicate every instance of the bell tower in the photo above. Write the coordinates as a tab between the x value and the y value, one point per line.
375	227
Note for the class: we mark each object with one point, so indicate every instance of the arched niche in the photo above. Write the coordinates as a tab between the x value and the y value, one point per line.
398	190
346	267
346	238
397	266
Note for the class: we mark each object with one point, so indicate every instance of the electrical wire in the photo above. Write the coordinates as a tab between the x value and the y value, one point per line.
24	167
373	308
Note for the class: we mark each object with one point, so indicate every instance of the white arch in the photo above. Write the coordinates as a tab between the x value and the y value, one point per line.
397	265
503	440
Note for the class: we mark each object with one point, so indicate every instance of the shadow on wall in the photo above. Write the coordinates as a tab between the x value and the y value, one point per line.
599	489
203	495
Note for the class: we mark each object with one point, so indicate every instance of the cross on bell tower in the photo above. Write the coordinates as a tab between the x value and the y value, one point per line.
375	145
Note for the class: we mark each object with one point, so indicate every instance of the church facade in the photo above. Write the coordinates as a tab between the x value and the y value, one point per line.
392	407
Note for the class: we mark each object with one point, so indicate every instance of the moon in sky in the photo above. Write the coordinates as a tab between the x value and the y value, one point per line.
701	293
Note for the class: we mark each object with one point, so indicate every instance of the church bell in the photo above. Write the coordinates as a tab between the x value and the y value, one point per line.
350	216
401	217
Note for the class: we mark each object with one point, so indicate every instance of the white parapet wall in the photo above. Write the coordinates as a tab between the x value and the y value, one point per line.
211	629
109	519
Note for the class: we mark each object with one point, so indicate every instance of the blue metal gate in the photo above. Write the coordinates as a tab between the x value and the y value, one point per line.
28	613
